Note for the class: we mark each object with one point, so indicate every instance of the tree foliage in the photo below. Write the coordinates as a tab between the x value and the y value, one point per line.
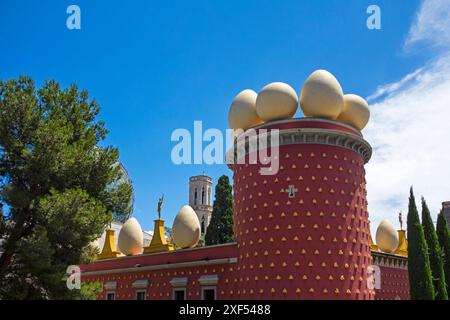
435	254
420	280
53	186
220	229
443	234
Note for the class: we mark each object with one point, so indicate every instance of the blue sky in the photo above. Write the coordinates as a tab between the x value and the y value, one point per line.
155	66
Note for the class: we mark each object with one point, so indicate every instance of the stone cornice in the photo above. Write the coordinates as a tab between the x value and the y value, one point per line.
189	264
201	178
307	119
202	207
307	136
390	260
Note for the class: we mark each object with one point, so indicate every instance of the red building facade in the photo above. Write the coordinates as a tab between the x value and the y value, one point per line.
302	233
394	279
313	243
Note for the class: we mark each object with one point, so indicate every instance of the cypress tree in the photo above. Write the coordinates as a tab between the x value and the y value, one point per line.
443	234
220	229
435	253
420	280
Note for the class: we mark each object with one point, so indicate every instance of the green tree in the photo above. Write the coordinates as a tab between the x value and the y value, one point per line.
90	290
420	279
443	234
220	229
435	254
54	180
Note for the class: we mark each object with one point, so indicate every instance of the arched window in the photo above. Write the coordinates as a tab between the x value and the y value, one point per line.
209	196
203	224
203	195
195	197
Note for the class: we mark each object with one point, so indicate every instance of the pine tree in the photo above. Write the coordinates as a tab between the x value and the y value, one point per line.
435	254
58	184
443	234
220	229
420	279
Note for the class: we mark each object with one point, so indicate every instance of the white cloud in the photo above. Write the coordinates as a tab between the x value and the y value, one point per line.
431	24
409	132
409	128
389	88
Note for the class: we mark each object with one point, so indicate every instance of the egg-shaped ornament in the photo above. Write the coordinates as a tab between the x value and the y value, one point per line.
242	114
322	96
131	240
276	101
186	228
386	237
356	111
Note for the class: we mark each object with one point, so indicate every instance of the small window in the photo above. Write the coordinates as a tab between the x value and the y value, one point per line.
179	294
141	295
209	293
111	295
203	225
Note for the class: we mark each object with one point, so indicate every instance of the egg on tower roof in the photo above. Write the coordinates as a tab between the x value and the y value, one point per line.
242	114
322	96
356	111
276	101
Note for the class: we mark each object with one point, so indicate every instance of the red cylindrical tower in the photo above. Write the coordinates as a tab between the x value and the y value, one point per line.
303	233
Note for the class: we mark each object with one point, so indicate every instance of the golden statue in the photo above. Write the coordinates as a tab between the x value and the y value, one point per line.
160	203
159	241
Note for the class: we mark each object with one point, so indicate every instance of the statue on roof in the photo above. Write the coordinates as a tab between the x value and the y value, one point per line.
160	203
400	219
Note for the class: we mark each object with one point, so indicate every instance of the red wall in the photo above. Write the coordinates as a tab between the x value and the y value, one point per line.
159	287
300	242
159	280
394	284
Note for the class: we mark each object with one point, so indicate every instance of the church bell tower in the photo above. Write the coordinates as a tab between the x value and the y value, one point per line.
200	189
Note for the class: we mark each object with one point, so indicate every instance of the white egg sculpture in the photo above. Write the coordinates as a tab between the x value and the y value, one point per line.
186	228
322	96
131	240
387	237
276	101
356	111
242	114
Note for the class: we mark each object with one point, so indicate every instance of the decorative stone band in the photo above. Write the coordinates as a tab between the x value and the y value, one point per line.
110	285
179	282
390	260
140	284
198	263
201	178
202	207
209	280
245	146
